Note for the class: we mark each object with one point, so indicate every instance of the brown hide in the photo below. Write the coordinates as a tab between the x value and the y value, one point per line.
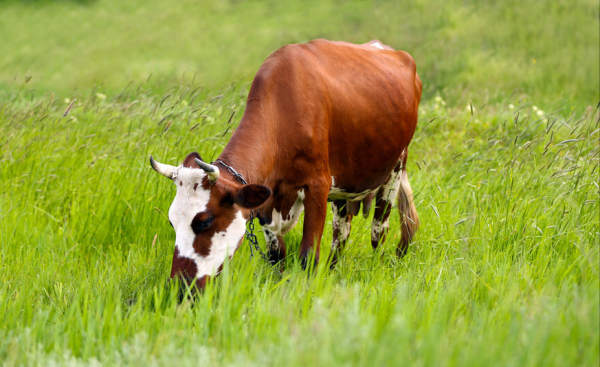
325	109
318	112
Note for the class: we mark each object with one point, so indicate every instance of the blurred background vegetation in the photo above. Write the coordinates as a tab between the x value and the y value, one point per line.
545	49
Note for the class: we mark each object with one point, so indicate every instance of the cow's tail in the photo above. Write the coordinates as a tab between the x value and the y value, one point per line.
408	213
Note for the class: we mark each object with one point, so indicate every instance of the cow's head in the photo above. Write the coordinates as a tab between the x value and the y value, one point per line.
208	215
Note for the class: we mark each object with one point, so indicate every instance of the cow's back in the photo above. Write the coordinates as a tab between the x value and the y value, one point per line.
351	107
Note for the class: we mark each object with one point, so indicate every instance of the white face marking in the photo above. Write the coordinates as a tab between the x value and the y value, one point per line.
187	203
280	226
223	244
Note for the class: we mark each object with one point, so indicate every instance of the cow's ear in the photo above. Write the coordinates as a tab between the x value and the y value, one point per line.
189	160
252	196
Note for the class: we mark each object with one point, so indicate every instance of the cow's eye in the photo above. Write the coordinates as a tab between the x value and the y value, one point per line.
198	225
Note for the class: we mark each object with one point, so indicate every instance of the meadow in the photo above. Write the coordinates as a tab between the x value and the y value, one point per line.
504	165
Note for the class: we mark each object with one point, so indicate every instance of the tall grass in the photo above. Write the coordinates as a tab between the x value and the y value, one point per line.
504	269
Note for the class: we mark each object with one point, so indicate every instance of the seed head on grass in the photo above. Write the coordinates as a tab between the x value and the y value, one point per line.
69	107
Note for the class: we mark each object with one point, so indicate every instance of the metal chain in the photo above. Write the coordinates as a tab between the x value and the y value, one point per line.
252	240
235	174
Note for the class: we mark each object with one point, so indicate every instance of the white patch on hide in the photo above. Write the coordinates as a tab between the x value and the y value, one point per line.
336	216
336	225
345	225
389	193
271	239
279	225
390	189
223	244
378	45
342	224
378	229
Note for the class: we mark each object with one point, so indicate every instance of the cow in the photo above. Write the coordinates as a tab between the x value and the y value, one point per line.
324	121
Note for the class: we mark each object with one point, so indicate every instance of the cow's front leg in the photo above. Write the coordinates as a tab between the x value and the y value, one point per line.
315	211
275	246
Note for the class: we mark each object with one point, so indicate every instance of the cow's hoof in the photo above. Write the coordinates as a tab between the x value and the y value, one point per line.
333	260
401	251
304	261
275	257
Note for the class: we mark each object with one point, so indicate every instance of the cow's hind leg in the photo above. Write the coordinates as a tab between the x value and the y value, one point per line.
386	196
275	246
408	214
342	223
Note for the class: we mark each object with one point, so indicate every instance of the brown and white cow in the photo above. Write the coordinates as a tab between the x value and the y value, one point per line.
324	121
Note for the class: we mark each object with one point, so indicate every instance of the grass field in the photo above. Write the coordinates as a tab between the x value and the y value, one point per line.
548	50
505	267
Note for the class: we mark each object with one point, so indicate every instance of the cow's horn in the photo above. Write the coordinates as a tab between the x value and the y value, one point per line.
211	171
164	169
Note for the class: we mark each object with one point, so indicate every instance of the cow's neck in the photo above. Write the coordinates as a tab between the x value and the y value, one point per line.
251	151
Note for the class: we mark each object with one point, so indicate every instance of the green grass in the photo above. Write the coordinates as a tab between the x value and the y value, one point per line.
548	50
504	269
